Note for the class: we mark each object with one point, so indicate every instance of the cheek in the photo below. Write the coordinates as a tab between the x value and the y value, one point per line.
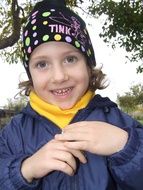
83	78
38	82
86	74
38	76
82	73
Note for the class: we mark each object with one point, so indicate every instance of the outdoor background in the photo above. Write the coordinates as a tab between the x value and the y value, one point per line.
116	22
122	76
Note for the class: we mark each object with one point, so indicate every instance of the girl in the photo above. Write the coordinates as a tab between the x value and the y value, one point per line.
67	138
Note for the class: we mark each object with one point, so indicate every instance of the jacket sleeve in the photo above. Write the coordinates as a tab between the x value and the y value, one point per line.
11	157
126	166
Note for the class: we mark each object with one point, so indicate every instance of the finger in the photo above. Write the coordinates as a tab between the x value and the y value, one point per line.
66	157
79	154
76	125
71	136
64	137
63	167
80	145
76	153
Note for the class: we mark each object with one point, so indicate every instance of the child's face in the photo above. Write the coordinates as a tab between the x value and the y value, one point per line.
59	73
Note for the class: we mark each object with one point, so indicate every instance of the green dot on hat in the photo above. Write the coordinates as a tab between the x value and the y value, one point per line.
34	27
46	14
27	41
45	37
77	44
89	51
26	58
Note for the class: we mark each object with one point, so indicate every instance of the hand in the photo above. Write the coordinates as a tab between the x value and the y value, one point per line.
52	156
94	136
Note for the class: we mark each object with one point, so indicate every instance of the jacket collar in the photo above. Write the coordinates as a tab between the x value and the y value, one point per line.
97	102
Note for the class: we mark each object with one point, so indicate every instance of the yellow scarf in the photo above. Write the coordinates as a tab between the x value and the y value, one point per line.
54	113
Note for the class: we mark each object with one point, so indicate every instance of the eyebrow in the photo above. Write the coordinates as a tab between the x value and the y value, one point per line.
39	57
63	53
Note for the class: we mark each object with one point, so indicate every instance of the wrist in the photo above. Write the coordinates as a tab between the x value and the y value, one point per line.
123	140
26	170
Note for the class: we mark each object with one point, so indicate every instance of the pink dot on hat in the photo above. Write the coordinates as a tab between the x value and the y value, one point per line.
35	13
26	33
33	21
36	42
83	49
68	39
29	50
34	34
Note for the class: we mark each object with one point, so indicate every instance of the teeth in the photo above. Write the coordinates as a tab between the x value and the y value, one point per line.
61	92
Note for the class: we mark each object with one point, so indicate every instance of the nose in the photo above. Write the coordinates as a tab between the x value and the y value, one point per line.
59	74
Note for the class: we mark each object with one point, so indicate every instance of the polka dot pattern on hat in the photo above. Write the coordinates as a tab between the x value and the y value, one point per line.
55	24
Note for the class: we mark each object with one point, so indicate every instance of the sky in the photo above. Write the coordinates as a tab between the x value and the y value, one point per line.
121	76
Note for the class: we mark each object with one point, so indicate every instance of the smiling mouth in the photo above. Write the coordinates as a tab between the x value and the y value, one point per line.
62	92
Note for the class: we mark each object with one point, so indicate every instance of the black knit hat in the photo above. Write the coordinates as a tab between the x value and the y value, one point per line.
51	20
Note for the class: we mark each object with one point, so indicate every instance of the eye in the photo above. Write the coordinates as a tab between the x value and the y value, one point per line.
41	65
71	59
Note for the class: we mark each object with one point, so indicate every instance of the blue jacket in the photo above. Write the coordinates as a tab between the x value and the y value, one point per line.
28	131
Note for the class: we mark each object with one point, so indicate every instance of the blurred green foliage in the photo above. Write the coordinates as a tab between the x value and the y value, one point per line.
122	27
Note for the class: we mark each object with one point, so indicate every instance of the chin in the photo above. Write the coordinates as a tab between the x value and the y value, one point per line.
66	107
